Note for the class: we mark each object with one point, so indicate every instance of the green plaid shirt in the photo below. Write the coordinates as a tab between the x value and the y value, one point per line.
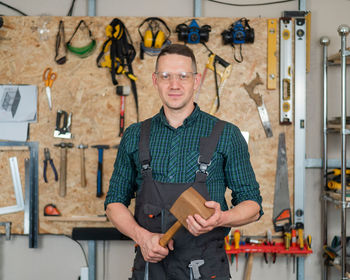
174	159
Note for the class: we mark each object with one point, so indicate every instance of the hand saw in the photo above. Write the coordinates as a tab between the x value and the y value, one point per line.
282	218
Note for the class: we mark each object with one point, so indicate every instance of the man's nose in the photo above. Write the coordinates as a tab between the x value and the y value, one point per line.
174	82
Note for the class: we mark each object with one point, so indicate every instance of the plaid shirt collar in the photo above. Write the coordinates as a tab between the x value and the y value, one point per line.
187	122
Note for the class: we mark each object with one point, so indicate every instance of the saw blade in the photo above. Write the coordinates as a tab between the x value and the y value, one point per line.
281	208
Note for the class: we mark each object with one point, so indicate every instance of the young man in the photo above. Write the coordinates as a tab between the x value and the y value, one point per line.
160	158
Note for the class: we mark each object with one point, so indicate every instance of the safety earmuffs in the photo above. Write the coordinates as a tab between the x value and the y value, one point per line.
154	38
151	40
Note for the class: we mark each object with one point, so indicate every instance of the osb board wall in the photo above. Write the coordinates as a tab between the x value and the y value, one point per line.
87	92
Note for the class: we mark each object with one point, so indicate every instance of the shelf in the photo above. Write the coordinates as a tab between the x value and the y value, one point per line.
75	219
338	267
335	198
335	59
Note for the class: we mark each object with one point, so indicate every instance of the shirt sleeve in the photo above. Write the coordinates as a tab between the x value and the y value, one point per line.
239	174
122	184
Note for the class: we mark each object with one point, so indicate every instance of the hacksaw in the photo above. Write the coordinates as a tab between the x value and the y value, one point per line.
213	58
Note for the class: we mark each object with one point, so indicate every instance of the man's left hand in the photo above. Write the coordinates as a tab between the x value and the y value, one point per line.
197	225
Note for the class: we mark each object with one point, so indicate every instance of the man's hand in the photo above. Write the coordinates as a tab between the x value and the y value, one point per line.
197	225
151	250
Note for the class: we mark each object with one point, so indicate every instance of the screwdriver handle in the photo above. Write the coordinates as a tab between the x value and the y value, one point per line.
236	238
301	238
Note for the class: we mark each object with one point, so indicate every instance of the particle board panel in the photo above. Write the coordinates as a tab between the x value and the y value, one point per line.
87	91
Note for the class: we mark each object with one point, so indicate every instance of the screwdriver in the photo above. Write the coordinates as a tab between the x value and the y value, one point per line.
287	237
236	238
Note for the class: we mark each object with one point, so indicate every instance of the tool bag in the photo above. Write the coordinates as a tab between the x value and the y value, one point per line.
118	48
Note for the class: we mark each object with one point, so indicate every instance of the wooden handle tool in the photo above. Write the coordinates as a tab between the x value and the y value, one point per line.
190	202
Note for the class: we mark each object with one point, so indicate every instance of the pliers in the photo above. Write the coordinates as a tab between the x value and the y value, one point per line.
269	242
49	159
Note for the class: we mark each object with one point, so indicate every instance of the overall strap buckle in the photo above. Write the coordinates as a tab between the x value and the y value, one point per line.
203	166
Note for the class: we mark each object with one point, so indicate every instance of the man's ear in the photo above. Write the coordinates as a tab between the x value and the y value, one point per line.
154	79
197	81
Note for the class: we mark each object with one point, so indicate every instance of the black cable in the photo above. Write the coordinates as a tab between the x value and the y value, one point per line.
249	5
12	8
82	249
216	87
70	12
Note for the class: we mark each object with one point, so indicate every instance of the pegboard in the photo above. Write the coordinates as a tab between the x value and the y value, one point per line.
87	91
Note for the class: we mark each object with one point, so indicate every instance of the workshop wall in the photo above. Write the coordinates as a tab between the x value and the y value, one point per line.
88	93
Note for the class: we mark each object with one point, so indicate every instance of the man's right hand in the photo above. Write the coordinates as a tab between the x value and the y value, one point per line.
150	248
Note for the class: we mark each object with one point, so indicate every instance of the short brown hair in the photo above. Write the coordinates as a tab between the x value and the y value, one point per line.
180	50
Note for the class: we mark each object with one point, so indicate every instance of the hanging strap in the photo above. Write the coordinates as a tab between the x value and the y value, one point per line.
60	41
144	154
121	55
207	147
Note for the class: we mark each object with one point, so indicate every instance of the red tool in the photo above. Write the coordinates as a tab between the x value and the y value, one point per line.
51	210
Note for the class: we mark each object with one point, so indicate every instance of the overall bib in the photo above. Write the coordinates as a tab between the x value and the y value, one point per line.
201	257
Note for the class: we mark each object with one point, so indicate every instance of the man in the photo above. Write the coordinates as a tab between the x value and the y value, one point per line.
160	158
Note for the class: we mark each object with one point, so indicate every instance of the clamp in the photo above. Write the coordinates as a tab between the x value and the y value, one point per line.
49	159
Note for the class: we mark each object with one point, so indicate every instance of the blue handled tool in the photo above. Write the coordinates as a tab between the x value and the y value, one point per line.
49	159
100	149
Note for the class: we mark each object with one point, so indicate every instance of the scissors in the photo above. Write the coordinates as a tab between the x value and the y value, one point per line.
48	78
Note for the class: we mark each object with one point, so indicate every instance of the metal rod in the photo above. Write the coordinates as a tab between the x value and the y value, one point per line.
92	259
343	31
197	8
91	8
325	42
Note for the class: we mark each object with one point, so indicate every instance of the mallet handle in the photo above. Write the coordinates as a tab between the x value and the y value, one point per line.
169	234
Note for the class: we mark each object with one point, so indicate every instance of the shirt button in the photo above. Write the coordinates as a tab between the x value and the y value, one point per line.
171	177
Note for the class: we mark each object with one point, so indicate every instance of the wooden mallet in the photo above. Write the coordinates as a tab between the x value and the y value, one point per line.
190	202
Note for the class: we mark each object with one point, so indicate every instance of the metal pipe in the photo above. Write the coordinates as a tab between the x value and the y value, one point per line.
343	31
91	8
197	8
324	41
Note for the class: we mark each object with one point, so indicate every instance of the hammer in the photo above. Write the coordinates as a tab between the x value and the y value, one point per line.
82	164
63	166
100	149
190	202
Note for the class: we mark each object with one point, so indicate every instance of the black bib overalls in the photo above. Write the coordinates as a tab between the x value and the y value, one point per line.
153	202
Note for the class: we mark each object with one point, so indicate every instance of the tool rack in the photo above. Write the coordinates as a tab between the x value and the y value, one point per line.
278	248
339	59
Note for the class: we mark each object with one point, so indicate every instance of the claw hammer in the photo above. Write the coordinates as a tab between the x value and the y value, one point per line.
82	164
63	167
100	149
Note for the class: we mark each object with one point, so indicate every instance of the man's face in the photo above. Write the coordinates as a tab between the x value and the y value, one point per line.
175	81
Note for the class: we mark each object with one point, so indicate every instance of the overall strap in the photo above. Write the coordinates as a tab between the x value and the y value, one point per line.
144	154
207	148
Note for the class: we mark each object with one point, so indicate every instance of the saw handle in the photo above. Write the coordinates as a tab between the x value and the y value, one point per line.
169	234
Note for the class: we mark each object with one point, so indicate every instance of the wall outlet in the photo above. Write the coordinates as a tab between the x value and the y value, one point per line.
84	273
